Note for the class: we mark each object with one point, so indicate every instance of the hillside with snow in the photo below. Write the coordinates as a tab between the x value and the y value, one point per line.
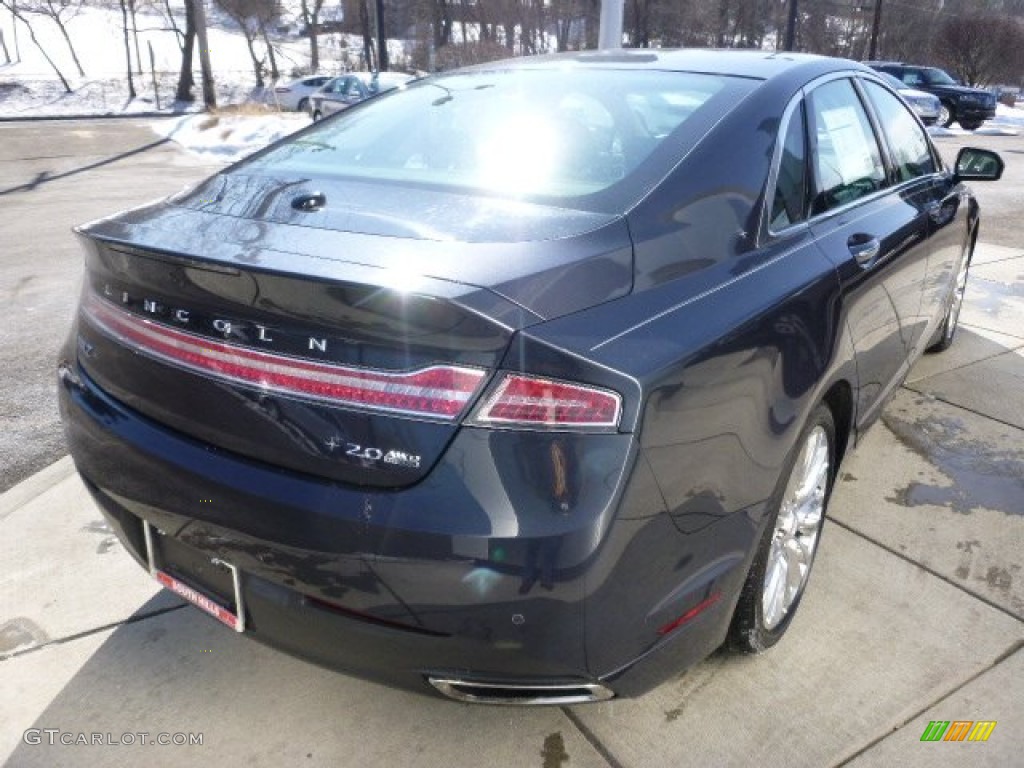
29	87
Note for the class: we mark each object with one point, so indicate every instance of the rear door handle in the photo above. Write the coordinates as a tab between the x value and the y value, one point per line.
864	248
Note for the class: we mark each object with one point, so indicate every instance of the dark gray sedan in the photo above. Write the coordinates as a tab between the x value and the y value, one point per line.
527	383
342	92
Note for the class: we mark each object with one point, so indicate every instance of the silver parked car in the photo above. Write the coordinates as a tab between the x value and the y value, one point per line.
926	105
295	95
344	91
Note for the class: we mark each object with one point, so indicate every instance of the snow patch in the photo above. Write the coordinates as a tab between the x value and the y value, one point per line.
228	138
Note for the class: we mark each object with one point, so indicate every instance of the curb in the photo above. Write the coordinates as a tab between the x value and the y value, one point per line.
35	485
129	116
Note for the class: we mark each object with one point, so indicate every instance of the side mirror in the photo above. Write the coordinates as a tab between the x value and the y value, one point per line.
974	164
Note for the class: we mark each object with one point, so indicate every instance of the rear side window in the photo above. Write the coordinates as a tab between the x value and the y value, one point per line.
907	141
846	161
789	202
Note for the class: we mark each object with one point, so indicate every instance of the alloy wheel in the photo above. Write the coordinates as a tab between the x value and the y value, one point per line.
797	528
956	301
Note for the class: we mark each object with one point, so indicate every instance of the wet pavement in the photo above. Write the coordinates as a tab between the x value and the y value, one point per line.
915	613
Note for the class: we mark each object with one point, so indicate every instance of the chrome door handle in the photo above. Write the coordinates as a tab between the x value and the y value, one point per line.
864	248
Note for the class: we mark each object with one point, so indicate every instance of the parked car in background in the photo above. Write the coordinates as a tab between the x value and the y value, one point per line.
344	91
960	104
527	383
295	95
926	105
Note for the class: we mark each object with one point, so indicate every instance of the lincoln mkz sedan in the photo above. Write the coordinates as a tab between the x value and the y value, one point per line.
526	383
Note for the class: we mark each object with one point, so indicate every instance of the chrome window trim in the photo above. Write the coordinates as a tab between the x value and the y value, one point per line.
767	234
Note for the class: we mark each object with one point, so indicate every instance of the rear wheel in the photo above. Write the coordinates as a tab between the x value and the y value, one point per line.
302	105
946	332
782	565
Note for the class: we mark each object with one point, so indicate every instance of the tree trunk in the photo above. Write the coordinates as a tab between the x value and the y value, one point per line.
209	95
274	74
135	36
63	80
127	48
3	44
71	48
174	25
185	79
364	23
382	39
311	18
257	65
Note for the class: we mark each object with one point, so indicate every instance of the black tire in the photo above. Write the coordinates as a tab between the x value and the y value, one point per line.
944	336
947	115
302	105
317	116
971	125
749	632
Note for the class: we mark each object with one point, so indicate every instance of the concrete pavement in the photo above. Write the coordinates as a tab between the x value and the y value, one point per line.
915	613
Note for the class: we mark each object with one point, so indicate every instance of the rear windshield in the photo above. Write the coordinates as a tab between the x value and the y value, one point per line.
568	136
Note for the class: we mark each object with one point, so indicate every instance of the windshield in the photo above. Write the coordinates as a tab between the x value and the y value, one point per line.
547	135
937	77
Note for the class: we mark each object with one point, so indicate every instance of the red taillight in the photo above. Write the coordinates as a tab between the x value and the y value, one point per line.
527	401
441	391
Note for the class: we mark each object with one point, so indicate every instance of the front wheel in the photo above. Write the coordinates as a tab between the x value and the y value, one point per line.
946	115
317	115
971	125
782	565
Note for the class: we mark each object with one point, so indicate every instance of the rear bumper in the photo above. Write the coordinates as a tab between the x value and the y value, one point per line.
471	575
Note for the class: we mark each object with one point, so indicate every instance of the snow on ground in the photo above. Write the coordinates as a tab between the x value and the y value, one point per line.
229	137
1009	121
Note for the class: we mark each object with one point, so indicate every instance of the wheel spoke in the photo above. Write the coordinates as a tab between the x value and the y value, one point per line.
796	529
796	565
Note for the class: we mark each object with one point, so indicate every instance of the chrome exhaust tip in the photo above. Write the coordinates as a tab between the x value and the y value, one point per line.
521	694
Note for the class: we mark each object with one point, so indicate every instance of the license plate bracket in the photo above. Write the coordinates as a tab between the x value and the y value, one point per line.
231	616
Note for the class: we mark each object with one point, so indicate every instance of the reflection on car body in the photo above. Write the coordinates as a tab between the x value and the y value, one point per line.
628	312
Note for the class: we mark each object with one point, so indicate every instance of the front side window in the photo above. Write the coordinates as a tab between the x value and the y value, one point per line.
845	159
907	140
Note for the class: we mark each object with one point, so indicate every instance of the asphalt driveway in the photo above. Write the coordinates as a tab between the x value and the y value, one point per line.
915	612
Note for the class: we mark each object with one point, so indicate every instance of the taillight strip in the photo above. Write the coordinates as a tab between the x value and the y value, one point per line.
440	391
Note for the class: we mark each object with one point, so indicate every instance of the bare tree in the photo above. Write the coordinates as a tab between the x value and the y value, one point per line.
983	49
252	16
209	95
274	73
188	40
127	47
60	12
310	10
17	14
364	24
135	35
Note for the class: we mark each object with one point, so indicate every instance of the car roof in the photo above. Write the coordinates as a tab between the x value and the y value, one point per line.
755	64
